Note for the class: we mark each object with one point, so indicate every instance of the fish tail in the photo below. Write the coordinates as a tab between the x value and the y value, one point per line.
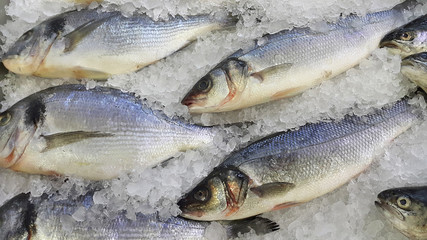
258	224
406	5
227	20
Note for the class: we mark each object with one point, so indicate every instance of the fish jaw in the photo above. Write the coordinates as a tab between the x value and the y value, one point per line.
15	148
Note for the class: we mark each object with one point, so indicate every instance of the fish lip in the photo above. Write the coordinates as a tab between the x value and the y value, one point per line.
407	62
389	44
386	207
191	102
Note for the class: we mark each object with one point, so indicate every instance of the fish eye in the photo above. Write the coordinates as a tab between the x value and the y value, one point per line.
27	35
201	195
407	36
404	202
423	55
5	118
204	84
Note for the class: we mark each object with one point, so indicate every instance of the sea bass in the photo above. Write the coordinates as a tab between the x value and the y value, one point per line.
289	62
43	218
414	67
96	44
293	167
408	39
406	209
94	133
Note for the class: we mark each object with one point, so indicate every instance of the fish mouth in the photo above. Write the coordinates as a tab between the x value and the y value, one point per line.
192	102
389	44
388	209
408	63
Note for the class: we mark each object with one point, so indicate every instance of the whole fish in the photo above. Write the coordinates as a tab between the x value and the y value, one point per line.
289	62
96	44
414	67
408	39
43	218
94	133
290	168
406	209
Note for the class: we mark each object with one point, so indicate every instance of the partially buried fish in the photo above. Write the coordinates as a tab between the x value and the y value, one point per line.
289	62
414	67
408	39
96	133
406	209
96	44
44	218
290	168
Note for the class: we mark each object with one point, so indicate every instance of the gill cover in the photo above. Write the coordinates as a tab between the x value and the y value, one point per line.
219	195
27	53
220	87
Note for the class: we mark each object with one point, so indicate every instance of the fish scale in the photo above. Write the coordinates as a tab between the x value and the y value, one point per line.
43	218
294	167
106	130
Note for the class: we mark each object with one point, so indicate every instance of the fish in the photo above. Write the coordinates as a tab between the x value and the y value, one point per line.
408	39
293	167
289	62
414	67
42	218
406	209
94	44
96	133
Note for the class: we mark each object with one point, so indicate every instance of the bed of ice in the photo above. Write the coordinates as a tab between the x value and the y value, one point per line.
347	213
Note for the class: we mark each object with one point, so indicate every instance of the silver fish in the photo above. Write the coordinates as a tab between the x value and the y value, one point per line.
408	39
94	133
41	218
406	209
414	67
290	168
291	61
96	44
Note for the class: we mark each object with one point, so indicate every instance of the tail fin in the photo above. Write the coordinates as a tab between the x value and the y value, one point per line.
227	20
406	5
258	224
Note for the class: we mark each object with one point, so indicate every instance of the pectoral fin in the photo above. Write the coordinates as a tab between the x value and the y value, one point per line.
261	75
61	139
272	189
74	37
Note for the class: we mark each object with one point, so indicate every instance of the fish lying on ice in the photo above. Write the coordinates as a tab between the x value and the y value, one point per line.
291	61
408	39
96	44
289	168
42	218
406	209
414	67
96	133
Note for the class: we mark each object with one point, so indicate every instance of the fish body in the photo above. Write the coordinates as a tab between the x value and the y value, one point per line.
96	44
293	167
414	67
45	218
94	133
289	62
408	39
406	209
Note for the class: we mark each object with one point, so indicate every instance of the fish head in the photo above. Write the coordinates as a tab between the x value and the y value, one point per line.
414	67
409	39
15	218
17	127
219	89
28	52
405	208
217	197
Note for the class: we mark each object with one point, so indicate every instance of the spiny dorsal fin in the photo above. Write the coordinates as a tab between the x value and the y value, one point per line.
61	139
272	189
258	224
